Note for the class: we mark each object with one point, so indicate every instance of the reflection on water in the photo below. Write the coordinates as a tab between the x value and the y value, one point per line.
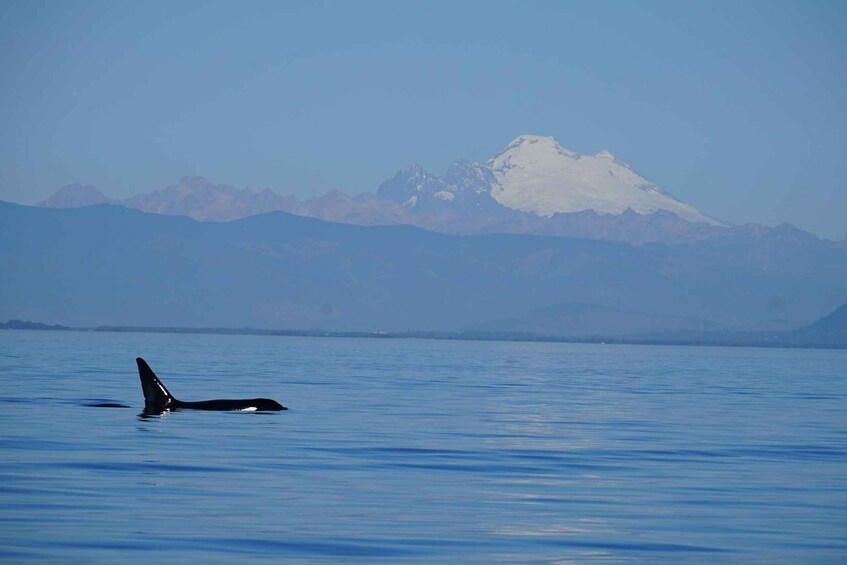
411	450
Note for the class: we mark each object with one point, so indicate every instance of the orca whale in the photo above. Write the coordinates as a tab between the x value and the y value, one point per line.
157	399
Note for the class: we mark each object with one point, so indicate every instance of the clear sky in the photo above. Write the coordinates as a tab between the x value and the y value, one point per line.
738	108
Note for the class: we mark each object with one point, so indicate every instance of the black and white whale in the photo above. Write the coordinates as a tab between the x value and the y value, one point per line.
158	400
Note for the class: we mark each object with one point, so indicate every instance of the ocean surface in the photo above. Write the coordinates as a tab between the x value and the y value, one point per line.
406	450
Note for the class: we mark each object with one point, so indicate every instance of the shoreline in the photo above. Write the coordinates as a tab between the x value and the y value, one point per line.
778	340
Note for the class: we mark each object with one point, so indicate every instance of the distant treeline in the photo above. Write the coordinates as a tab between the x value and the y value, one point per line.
786	339
25	325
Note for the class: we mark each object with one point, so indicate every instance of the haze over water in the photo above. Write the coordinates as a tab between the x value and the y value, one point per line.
404	450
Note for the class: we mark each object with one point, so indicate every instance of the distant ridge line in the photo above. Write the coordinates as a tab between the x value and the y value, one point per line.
795	339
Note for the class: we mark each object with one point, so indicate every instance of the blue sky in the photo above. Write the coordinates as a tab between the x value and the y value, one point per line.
738	108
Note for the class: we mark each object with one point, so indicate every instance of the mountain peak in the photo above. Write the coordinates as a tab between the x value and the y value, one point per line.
536	144
193	184
75	196
469	175
414	168
408	183
535	174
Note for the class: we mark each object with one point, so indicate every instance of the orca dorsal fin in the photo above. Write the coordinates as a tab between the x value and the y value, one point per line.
156	396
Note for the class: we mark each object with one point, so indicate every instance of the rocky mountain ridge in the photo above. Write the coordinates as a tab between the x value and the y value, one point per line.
534	186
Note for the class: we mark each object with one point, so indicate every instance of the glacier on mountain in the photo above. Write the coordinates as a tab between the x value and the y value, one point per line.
535	174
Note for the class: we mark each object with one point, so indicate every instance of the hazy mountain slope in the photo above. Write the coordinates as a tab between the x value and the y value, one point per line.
829	330
836	322
111	265
588	320
201	199
75	196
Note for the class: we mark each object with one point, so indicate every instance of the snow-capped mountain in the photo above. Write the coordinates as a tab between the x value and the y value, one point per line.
534	186
535	174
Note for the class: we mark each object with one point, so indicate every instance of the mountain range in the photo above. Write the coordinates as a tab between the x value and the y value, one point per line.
830	331
537	240
279	270
534	186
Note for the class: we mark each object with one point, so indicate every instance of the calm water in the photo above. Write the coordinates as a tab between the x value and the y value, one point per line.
418	450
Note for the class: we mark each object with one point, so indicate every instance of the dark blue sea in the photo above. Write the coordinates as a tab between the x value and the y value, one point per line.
406	450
